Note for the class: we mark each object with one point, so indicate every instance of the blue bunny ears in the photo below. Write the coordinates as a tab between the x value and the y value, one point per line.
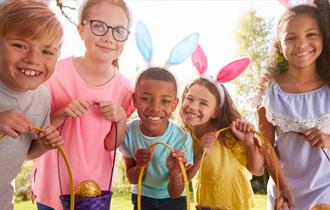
178	54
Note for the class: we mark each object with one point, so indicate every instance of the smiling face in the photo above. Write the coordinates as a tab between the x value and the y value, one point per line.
103	48
301	41
24	63
155	101
198	106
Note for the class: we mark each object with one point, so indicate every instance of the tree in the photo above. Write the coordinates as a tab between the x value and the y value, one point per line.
253	40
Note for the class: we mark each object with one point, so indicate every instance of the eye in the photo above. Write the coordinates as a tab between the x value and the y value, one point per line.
204	104
145	99
19	46
189	99
49	52
289	38
165	101
311	34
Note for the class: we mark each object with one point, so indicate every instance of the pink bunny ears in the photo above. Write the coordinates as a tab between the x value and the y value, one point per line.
226	74
293	3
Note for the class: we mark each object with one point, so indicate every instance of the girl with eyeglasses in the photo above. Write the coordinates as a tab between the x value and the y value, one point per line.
89	95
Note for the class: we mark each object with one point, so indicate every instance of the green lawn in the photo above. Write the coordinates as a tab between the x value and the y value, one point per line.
122	202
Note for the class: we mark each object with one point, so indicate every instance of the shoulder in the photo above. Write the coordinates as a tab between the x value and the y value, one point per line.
179	130
41	93
125	84
132	125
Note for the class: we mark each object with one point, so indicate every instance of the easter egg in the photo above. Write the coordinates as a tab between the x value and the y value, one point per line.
88	189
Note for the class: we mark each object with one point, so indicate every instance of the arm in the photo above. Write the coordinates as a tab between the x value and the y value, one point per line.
133	167
115	113
176	184
244	132
132	171
267	129
48	139
191	173
255	159
110	139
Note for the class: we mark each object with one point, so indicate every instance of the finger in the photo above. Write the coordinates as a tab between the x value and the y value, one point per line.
10	132
86	104
80	108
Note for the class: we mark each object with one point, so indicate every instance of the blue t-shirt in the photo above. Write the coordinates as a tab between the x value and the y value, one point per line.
154	183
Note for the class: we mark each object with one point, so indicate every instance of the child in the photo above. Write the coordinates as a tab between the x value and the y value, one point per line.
89	95
28	54
224	182
294	111
155	99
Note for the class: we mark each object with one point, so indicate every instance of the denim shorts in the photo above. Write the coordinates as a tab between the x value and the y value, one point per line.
160	204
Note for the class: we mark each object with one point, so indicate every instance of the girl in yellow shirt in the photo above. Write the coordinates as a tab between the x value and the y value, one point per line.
230	156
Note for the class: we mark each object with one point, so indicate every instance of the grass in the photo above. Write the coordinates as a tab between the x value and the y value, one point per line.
123	202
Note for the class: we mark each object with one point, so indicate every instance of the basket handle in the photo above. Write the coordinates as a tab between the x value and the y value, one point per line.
113	162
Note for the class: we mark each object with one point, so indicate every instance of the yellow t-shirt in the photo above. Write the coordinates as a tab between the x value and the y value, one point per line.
224	180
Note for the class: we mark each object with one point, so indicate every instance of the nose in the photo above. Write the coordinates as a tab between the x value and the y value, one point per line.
154	106
301	43
108	37
32	57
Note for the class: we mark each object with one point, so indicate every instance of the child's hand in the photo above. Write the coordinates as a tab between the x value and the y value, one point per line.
51	138
143	158
77	108
243	131
112	111
317	138
286	199
172	162
14	124
207	142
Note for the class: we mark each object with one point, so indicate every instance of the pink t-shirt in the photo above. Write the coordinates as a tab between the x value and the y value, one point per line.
83	136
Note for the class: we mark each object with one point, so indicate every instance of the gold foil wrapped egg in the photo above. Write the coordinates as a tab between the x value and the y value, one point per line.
88	189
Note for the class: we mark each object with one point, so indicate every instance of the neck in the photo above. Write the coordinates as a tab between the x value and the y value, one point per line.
95	73
200	130
304	75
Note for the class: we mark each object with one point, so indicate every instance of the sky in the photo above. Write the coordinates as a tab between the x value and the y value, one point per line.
170	21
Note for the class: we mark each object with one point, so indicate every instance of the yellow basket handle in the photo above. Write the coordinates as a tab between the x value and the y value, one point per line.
185	178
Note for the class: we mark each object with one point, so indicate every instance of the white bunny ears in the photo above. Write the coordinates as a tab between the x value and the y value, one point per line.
225	74
179	53
293	3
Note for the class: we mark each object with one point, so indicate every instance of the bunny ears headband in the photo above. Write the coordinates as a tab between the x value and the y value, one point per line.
179	53
293	3
225	74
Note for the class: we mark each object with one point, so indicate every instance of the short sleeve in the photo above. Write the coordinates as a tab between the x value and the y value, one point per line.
126	148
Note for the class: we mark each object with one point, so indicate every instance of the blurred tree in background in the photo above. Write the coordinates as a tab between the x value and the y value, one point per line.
253	38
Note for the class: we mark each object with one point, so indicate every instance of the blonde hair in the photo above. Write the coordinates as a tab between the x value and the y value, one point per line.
31	19
87	4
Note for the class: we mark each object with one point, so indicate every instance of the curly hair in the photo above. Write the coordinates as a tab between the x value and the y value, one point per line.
277	64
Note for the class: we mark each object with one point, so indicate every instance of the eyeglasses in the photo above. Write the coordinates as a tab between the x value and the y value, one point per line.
99	28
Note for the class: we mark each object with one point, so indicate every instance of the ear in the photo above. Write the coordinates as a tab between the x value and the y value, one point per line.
134	99
143	41
175	104
215	114
182	50
80	29
233	69
199	60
